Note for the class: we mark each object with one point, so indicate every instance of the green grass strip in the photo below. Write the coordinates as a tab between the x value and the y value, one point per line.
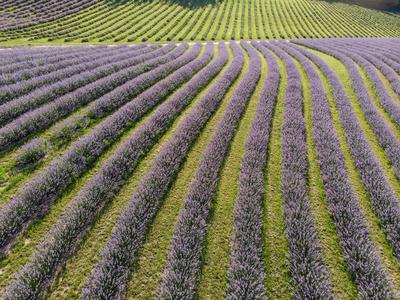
278	282
152	260
217	253
374	96
389	261
342	285
71	282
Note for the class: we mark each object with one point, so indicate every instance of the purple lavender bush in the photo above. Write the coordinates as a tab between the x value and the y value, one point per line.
358	248
384	201
43	117
184	256
67	233
109	277
246	273
42	190
308	271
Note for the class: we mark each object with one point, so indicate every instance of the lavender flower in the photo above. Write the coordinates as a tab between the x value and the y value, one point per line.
385	203
41	118
67	233
109	277
42	190
184	256
359	251
309	274
246	272
44	89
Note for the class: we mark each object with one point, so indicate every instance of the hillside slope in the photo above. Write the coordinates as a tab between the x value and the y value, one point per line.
380	4
23	13
246	170
161	20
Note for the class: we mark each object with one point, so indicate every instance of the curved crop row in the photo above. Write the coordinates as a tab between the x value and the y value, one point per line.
8	67
383	53
308	272
359	251
32	55
59	63
384	201
121	21
369	63
45	188
34	94
382	131
53	64
184	256
71	75
63	237
384	66
377	47
48	114
109	276
130	163
246	273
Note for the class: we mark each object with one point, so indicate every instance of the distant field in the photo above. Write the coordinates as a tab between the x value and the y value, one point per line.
106	21
220	170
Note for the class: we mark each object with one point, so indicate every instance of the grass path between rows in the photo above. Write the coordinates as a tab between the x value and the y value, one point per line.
375	98
389	261
145	280
13	182
342	285
78	267
26	243
216	254
278	282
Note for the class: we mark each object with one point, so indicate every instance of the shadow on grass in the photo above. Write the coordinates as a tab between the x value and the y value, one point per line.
386	5
186	3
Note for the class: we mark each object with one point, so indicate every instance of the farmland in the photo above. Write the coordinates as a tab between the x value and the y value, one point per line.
107	21
256	169
199	149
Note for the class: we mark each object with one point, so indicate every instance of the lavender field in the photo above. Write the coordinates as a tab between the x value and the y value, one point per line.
43	22
237	170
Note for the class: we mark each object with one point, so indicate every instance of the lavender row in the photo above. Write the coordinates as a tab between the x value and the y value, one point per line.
43	117
63	81
12	91
184	257
381	53
383	49
377	47
109	277
20	58
388	103
52	58
44	12
42	89
308	272
388	72
368	63
246	275
61	62
125	93
382	65
384	134
358	248
68	103
389	60
384	201
71	79
44	189
70	228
